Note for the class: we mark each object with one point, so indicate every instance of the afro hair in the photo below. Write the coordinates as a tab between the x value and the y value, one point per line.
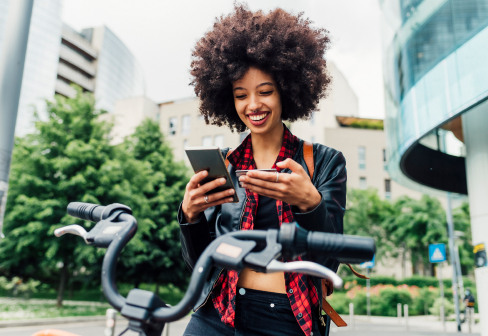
279	43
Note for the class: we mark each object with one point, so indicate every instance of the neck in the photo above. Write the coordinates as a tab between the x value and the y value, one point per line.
266	147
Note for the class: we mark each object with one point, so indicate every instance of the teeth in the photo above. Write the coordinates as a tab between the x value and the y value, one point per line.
258	117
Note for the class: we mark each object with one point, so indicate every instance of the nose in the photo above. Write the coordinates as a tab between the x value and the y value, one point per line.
254	103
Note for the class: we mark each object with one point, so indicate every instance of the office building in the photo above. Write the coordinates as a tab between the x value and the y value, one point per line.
57	56
98	61
41	60
436	81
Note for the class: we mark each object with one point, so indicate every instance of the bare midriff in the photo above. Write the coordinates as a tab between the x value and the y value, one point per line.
267	282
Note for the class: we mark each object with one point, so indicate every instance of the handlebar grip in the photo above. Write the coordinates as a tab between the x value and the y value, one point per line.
344	248
86	211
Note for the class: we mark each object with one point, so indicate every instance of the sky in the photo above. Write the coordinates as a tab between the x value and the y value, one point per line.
162	33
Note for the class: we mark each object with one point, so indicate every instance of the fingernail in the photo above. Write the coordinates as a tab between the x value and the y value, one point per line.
242	178
231	199
222	180
243	184
205	173
231	192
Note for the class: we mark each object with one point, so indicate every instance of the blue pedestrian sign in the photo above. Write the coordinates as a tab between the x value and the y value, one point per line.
368	264
437	253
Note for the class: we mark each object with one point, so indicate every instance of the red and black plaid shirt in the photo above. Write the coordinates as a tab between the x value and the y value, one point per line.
300	290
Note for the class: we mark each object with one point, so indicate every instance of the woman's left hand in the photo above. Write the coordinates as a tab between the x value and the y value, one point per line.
295	188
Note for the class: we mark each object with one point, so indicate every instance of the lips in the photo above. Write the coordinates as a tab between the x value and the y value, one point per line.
259	118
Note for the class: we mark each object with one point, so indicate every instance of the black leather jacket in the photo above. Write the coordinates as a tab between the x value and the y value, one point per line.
329	179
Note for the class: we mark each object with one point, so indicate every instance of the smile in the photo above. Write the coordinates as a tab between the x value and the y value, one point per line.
258	118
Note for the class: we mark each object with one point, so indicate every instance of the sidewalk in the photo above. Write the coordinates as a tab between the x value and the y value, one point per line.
416	323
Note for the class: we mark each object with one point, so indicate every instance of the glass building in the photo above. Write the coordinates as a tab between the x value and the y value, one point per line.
436	90
41	59
57	56
119	75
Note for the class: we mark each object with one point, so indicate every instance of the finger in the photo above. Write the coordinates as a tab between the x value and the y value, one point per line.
266	184
266	176
211	185
219	202
263	191
292	165
196	179
217	196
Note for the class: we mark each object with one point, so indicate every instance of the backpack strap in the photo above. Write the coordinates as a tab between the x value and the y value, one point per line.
308	157
227	158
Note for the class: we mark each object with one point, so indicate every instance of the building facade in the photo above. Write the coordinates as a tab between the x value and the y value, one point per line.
436	82
99	62
41	59
57	56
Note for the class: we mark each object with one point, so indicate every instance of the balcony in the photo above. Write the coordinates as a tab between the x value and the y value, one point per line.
76	41
76	77
76	60
64	89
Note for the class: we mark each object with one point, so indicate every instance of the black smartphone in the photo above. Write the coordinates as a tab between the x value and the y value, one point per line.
210	158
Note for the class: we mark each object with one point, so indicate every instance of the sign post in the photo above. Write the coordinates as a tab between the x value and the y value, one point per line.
368	265
437	254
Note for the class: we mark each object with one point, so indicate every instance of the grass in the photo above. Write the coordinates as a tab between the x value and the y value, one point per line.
18	309
81	303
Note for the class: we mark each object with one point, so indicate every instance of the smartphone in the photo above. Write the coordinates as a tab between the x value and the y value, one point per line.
240	173
210	158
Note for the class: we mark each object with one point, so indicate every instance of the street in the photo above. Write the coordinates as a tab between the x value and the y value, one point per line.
376	326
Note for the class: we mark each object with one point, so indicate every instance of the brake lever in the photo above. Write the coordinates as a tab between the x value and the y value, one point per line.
72	229
305	267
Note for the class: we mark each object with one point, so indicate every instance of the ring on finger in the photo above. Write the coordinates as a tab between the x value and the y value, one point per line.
206	199
277	177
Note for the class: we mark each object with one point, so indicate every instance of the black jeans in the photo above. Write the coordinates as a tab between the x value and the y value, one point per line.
257	313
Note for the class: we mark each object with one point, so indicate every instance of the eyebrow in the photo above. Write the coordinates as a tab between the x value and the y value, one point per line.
262	84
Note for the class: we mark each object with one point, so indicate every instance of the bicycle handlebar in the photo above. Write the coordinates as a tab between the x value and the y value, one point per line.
235	250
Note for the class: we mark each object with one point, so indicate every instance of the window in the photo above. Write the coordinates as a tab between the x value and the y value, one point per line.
207	141
173	125
362	157
312	119
219	141
200	117
242	136
385	162
157	116
362	183
185	124
387	188
312	139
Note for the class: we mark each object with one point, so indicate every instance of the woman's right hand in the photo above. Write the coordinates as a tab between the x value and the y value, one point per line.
194	201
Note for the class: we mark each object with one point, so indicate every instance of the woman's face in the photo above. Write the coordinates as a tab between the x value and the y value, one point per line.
258	101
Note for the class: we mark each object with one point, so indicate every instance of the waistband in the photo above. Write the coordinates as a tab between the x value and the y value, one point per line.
262	296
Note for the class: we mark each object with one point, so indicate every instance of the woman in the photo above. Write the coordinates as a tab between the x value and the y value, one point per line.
254	71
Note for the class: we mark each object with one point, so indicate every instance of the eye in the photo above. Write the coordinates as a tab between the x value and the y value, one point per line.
241	96
267	92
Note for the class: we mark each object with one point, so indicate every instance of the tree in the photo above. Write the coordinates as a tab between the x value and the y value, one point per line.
413	225
70	158
462	222
365	213
158	258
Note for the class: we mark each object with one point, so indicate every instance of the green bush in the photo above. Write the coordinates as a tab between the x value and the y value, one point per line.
340	302
388	300
17	287
436	308
421	304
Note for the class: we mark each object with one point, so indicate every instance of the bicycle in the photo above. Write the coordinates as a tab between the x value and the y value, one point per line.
147	313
